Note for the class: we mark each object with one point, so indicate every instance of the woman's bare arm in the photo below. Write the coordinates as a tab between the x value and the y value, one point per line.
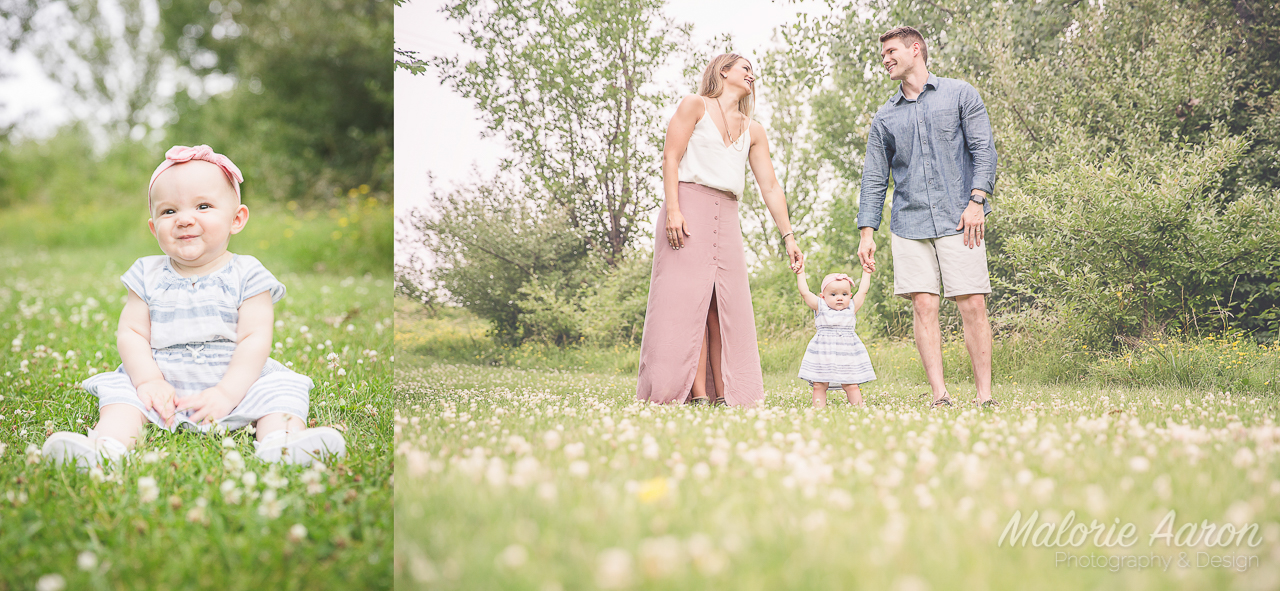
679	130
771	191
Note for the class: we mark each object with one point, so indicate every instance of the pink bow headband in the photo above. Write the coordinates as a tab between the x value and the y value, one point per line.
834	277
180	154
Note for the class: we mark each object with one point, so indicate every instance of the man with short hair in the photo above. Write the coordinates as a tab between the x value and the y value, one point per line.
934	137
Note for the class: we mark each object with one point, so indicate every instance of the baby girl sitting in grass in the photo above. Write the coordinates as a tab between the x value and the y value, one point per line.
195	332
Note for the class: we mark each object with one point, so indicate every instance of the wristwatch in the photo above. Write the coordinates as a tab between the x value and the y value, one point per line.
979	199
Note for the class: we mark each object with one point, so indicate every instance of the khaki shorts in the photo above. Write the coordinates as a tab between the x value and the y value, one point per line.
918	264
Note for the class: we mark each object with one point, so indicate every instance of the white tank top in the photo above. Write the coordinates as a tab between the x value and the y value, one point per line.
709	162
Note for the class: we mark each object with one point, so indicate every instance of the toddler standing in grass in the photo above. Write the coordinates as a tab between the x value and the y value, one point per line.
195	332
835	354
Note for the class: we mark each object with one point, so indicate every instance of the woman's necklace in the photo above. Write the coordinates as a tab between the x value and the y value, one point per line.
732	142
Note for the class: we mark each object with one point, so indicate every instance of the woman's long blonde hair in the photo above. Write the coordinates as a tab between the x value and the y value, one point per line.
713	83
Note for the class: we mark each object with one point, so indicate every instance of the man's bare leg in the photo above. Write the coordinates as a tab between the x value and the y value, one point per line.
977	339
928	335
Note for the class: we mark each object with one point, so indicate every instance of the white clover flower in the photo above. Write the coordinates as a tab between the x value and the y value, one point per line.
199	513
1244	458
613	569
496	473
701	471
575	450
551	439
228	443
271	506
513	556
661	557
311	478
840	499
273	479
33	454
147	489
250	479
233	462
525	471
87	560
579	468
297	533
51	582
1139	464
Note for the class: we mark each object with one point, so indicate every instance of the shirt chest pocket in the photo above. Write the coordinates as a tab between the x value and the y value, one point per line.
946	122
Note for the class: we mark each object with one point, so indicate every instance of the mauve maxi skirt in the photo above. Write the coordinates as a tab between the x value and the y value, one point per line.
712	261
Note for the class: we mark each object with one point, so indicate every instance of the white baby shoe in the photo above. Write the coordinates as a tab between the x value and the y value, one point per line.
85	451
302	447
65	447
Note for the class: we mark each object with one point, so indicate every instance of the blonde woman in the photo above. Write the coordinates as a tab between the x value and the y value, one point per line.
699	341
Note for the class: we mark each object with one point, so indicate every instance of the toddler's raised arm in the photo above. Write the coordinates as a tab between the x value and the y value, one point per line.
133	341
863	286
802	281
253	346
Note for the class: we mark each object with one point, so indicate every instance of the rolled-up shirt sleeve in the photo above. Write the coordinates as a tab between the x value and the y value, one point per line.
875	178
977	133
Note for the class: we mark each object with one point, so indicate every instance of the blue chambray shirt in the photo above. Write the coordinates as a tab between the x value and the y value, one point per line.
938	148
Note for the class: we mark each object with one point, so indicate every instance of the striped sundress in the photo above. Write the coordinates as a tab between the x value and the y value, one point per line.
193	334
835	354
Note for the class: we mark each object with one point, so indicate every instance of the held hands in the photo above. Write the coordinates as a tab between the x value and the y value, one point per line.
973	221
210	405
794	254
867	253
158	395
677	230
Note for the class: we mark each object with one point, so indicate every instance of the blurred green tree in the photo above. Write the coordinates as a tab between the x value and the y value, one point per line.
309	112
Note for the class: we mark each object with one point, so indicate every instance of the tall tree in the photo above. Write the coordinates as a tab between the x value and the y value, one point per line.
570	85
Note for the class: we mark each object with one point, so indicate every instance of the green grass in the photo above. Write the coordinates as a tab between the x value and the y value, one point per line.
785	497
353	235
59	309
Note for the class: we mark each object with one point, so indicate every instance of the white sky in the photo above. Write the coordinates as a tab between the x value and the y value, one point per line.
28	92
438	132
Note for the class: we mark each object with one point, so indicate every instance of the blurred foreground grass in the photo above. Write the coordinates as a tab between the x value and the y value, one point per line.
515	472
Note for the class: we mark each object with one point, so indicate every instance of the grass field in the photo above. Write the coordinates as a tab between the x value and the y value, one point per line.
543	472
189	511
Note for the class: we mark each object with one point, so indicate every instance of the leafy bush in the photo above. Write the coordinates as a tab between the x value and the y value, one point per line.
1117	250
488	243
612	309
